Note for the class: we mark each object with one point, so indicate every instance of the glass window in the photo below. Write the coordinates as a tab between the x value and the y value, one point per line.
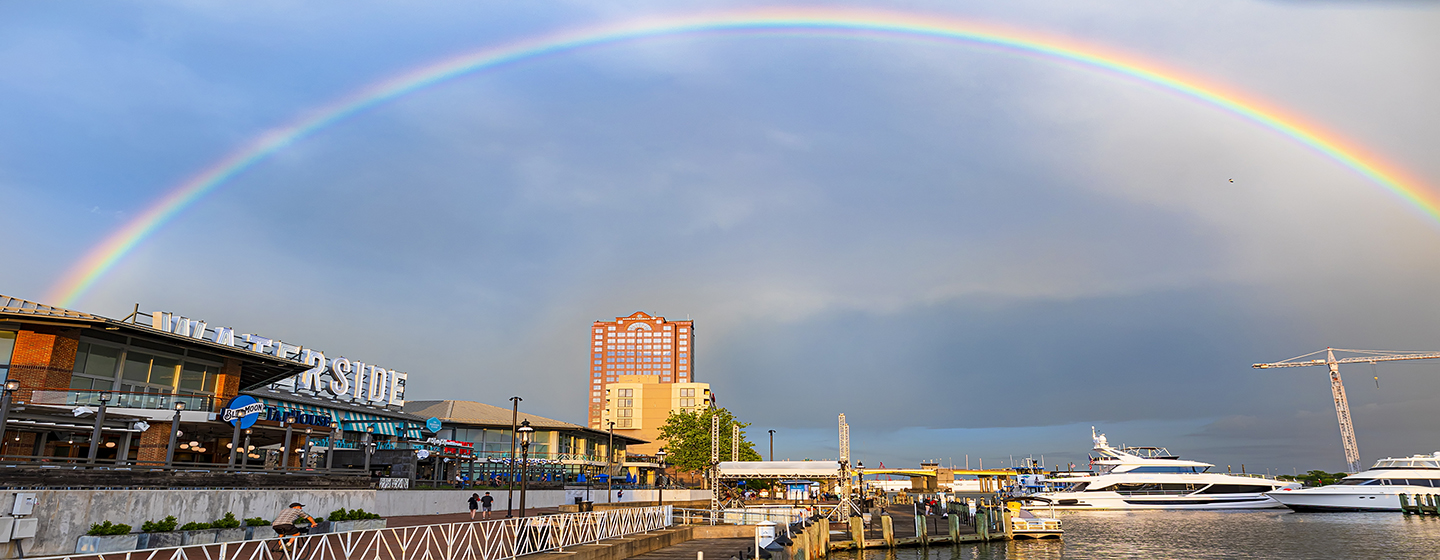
163	371
7	346
97	361
198	377
137	367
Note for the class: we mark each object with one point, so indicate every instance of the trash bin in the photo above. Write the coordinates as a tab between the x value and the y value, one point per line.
587	506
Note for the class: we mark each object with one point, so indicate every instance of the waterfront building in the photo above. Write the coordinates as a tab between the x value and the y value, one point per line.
648	348
560	452
149	364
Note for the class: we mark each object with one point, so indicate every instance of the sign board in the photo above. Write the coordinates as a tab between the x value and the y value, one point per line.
432	425
333	378
243	410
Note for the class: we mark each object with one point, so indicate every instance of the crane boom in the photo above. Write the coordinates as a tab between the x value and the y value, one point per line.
1337	388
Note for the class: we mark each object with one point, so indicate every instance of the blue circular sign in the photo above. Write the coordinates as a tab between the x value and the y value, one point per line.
243	411
433	425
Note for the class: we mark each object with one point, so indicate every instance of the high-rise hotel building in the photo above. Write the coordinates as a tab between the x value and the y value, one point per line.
639	348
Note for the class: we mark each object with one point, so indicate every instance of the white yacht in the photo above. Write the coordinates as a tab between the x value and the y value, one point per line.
1152	478
1377	489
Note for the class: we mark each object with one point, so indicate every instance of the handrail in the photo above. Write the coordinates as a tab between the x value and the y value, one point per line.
495	539
124	399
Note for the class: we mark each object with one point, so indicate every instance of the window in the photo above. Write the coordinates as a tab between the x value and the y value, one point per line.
596	399
687	392
7	348
624	413
625	423
1235	489
623	403
687	402
623	393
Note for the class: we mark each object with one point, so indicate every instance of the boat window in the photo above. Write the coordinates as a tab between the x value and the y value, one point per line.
1152	488
1356	481
1077	487
1235	489
1157	469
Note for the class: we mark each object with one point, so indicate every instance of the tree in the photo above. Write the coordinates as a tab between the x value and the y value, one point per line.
687	439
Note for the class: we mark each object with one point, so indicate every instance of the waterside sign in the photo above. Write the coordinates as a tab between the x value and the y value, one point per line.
334	378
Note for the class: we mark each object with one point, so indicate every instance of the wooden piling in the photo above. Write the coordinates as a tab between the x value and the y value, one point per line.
1406	507
954	526
857	531
922	529
887	528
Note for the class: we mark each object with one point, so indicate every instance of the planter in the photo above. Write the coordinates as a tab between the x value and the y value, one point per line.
361	525
230	535
202	536
321	527
107	543
161	540
263	531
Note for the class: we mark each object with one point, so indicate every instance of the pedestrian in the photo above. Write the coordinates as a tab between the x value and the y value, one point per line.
619	494
474	505
458	482
485	503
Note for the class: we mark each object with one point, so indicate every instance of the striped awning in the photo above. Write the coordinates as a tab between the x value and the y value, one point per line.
354	421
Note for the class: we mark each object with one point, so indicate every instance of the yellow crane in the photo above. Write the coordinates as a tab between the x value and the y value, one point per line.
1337	389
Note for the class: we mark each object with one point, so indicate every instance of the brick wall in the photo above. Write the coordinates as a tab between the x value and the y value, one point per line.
43	359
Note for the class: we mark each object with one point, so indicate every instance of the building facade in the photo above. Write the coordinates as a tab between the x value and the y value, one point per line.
641	347
157	368
639	406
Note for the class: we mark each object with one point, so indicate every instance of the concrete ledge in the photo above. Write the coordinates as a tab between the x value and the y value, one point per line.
724	531
620	548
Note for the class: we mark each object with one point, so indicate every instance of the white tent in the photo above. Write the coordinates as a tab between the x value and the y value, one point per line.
779	469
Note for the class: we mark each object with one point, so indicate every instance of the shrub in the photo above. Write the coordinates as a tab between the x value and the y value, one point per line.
167	524
227	522
339	515
106	528
256	521
195	526
358	514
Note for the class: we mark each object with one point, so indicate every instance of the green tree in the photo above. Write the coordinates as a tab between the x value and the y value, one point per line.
687	439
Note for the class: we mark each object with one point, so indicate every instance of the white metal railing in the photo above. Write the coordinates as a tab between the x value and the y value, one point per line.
782	515
496	539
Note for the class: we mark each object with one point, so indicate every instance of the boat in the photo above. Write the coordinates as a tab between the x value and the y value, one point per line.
1024	524
1153	478
1377	489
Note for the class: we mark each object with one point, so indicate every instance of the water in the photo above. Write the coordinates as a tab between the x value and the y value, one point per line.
1156	535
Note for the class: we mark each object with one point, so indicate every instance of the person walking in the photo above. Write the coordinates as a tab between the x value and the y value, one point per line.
474	505
284	524
485	503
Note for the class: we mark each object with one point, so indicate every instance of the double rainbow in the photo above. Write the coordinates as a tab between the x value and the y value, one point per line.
821	22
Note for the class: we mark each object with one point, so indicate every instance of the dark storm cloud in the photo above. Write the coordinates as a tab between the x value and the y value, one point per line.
968	252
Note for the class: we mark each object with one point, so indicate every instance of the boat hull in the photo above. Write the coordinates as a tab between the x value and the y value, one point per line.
1113	501
1343	498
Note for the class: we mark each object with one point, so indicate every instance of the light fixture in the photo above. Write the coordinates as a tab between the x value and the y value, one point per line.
104	396
12	384
110	444
201	450
184	446
229	446
194	444
179	405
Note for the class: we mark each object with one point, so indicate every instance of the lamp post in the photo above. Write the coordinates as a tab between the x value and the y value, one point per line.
772	445
174	431
330	453
245	449
308	449
524	430
99	420
510	467
369	430
860	476
660	484
235	449
11	385
610	465
286	445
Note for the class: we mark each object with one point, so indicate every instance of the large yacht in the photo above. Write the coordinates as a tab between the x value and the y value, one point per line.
1153	478
1377	489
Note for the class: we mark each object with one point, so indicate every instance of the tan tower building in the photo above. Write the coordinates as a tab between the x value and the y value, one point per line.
643	349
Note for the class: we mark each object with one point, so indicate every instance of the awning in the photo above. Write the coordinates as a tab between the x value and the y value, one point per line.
779	469
353	421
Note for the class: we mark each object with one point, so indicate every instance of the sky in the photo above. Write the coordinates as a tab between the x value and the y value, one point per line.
976	255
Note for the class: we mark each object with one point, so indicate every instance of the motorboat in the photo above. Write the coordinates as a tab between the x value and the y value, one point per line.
1024	524
1153	478
1377	489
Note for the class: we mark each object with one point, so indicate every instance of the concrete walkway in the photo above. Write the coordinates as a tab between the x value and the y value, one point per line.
714	549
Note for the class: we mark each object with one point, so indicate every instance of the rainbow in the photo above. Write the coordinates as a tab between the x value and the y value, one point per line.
84	273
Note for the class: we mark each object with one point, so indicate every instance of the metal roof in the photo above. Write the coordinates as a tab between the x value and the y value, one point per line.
16	306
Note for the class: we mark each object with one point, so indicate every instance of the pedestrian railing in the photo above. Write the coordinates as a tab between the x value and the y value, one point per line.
742	516
496	539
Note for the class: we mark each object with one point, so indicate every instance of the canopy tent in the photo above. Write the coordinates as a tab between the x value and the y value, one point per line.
779	469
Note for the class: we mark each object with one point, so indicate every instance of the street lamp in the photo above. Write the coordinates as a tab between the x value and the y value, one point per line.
11	385
99	419
659	484
369	431
610	465
334	440
308	449
860	475
285	448
772	445
524	430
245	449
174	431
510	468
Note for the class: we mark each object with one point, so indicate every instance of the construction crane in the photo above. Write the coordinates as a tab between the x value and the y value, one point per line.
1337	389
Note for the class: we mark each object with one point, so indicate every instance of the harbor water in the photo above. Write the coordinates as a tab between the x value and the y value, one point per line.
1156	535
